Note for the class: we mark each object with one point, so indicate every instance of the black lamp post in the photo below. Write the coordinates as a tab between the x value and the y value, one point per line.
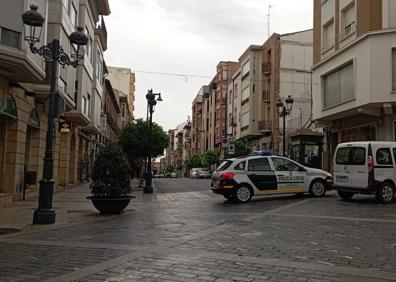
283	111
52	52
151	102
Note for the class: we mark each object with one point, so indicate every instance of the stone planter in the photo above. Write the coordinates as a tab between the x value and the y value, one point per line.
110	205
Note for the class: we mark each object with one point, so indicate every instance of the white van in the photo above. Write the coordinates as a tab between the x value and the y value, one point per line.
365	168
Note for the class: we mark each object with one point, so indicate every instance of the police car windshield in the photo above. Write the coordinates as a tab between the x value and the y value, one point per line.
224	165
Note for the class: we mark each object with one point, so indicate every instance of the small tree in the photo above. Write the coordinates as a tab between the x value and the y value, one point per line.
193	162
209	158
240	148
110	173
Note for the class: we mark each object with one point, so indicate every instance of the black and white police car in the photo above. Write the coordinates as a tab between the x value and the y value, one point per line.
263	174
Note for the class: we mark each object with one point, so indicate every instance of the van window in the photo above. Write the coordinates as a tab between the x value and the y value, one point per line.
343	156
384	157
394	153
359	156
351	156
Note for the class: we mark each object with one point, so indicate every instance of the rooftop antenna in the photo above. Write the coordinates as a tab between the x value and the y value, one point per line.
269	20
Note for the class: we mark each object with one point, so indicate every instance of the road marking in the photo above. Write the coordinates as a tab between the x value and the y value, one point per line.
337	218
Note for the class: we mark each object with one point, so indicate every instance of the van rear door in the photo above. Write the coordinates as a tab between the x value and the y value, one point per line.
359	167
342	167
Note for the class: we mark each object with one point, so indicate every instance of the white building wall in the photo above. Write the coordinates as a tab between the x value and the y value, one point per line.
295	76
372	57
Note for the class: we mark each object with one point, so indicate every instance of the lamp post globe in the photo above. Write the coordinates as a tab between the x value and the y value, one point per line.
33	22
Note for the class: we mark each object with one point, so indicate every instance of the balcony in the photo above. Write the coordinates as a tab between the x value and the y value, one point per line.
266	96
265	126
266	68
101	31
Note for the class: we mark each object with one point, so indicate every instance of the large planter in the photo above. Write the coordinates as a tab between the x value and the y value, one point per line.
110	205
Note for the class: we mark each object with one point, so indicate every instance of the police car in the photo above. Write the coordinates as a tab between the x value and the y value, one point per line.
241	178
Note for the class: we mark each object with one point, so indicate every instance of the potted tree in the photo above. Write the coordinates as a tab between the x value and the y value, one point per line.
110	181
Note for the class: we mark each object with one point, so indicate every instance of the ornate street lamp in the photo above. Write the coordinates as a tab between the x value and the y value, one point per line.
52	52
283	111
151	102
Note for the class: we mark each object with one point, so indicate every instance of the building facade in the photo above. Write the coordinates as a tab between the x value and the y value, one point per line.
354	50
24	88
123	79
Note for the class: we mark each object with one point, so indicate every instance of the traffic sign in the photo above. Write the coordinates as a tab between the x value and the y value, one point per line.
224	142
231	149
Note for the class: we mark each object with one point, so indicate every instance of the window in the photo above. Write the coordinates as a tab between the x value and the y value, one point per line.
229	119
240	166
351	156
73	15
394	153
88	105
225	75
384	157
10	38
62	85
261	164
285	165
245	70
88	48
394	69
84	105
338	86
66	4
245	94
328	36
224	165
359	156
348	21
245	119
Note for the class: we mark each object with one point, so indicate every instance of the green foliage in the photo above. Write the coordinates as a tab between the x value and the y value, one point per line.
169	169
110	173
209	158
193	161
240	148
133	139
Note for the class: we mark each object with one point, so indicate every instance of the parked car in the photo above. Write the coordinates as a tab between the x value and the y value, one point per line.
200	172
241	178
365	168
173	175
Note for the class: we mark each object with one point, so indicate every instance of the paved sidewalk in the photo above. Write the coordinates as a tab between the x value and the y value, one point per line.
70	204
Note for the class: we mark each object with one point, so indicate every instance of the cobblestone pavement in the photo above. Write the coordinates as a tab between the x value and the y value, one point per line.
183	232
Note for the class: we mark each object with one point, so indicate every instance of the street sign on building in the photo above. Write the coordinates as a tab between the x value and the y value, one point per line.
64	126
231	149
224	142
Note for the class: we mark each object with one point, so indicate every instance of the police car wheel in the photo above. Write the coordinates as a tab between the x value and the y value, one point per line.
317	188
385	193
243	194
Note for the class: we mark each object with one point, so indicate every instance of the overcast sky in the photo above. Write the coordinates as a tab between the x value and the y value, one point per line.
190	37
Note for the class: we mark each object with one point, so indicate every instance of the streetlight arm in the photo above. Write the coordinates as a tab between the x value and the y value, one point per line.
53	51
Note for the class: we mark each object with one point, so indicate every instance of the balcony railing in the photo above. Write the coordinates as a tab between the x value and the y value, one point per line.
265	125
266	68
102	31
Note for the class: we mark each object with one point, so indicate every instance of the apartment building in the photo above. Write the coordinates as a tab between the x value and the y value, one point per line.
354	71
224	72
24	89
123	79
197	125
111	113
278	68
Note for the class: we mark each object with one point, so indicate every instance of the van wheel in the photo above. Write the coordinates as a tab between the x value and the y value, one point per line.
385	193
317	188
345	195
243	194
